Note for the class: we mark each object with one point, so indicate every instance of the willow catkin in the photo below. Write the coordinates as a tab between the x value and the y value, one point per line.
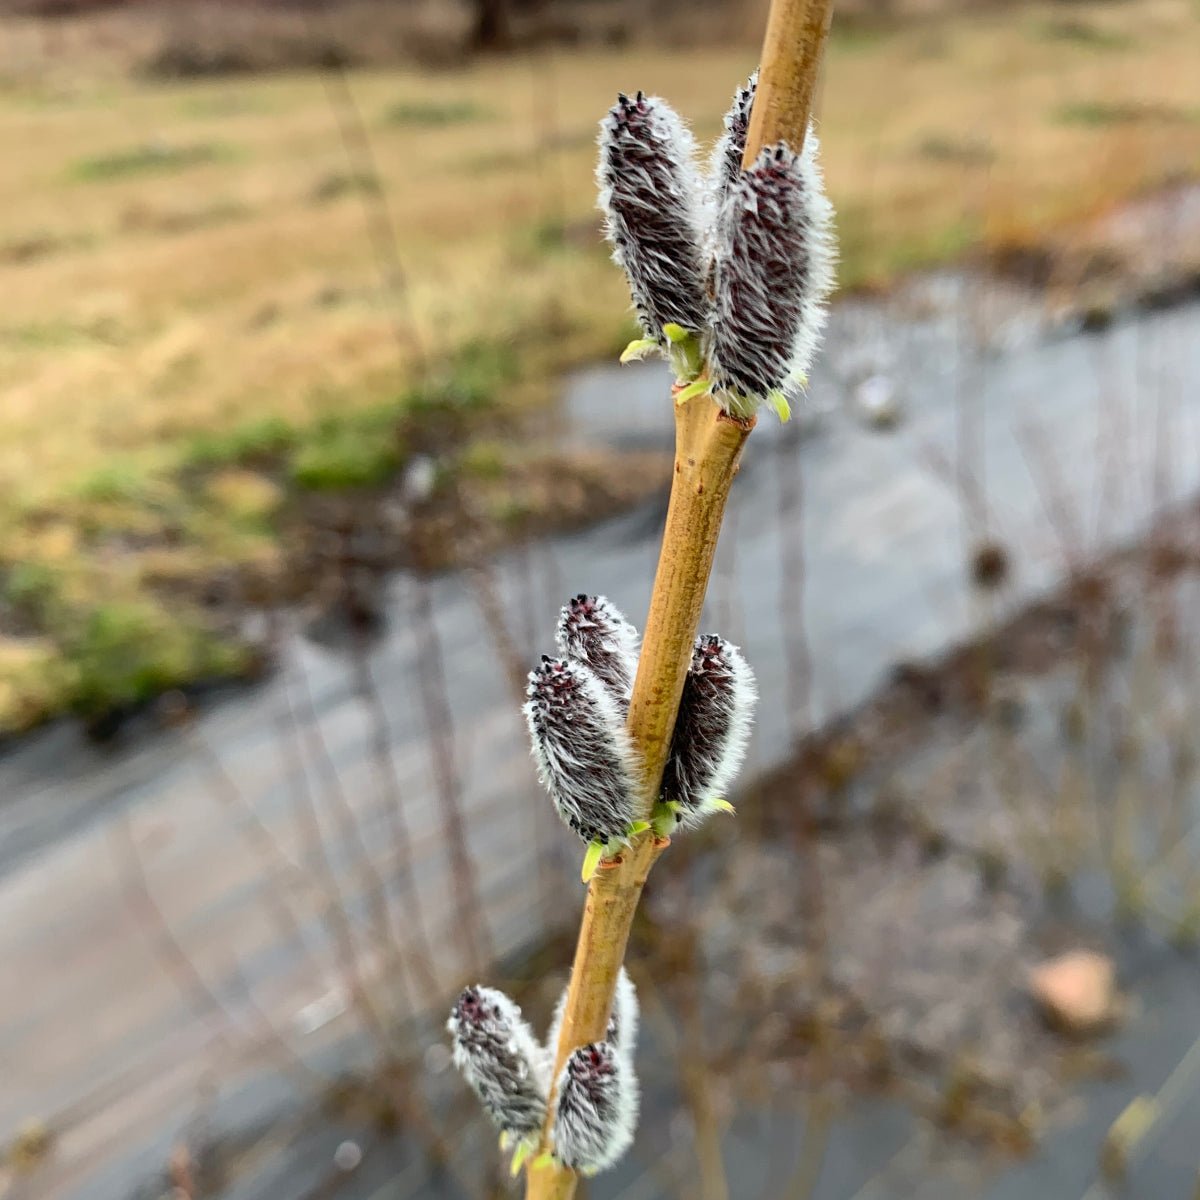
596	1108
772	271
725	162
593	631
712	729
650	196
584	755
499	1057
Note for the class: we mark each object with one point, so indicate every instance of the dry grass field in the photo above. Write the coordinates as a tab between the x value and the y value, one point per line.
199	327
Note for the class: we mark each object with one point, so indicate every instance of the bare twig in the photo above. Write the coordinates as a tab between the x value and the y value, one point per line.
179	963
439	730
308	726
381	228
417	949
339	924
793	617
277	865
486	590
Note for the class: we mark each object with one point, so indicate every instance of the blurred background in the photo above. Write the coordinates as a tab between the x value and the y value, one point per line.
309	423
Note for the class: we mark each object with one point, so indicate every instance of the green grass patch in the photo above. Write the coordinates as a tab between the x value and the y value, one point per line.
468	387
340	184
351	451
1082	33
41	335
432	114
556	235
850	34
863	260
485	459
246	500
965	151
259	441
113	483
204	104
479	369
151	158
30	587
124	653
1098	114
53	334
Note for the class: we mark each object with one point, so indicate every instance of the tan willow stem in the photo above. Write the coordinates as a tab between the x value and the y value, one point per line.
708	447
787	78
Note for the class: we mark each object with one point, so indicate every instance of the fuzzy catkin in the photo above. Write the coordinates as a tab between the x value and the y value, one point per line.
584	755
712	729
592	630
725	163
621	1032
596	1109
651	200
500	1058
773	260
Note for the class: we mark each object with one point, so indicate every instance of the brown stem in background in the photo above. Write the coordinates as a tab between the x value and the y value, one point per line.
365	870
183	970
486	590
443	756
793	617
417	948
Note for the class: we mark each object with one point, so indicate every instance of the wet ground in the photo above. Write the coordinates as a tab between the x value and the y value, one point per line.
169	907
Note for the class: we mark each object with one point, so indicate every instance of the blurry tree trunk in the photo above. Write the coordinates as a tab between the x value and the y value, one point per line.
491	24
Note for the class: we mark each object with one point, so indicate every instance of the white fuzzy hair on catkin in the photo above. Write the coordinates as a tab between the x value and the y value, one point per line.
773	269
621	1032
652	201
596	1110
712	730
725	161
501	1060
585	758
592	630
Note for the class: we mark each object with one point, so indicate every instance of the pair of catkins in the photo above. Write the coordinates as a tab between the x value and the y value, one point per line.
595	1095
576	713
729	269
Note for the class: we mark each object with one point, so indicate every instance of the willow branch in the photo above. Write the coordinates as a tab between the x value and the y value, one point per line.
787	78
708	447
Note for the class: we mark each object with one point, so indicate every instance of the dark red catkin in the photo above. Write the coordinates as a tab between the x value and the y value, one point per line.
725	163
772	271
650	196
596	1109
501	1059
593	631
584	755
711	730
